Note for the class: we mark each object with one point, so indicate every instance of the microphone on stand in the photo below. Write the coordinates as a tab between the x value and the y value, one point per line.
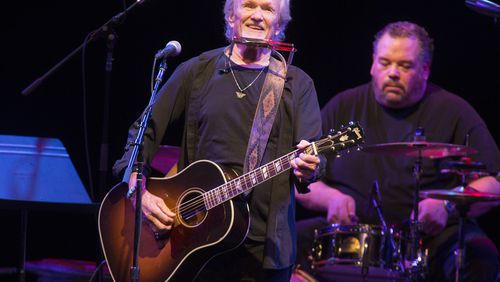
375	200
172	49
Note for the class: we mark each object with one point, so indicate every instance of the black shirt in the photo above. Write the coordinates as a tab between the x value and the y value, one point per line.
445	118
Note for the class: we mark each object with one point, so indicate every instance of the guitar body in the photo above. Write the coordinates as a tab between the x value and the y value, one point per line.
193	241
207	221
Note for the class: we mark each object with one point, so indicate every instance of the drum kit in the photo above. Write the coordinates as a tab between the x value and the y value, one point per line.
378	253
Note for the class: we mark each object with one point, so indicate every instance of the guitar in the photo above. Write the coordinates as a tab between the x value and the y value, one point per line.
208	222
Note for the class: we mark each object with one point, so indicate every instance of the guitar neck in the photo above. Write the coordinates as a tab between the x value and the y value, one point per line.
253	178
336	141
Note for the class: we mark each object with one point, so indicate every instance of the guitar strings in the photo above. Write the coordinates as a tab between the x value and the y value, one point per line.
197	202
195	205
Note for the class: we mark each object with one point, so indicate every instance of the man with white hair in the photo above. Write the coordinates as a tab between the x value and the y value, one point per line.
217	93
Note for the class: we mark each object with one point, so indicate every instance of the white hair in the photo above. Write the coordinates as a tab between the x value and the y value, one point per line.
284	18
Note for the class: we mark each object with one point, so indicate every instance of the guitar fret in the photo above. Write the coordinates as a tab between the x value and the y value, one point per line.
277	166
205	200
235	188
265	175
271	170
253	178
247	182
218	198
259	175
208	199
212	195
224	192
229	189
239	189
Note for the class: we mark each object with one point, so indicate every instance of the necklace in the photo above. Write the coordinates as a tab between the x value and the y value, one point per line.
240	94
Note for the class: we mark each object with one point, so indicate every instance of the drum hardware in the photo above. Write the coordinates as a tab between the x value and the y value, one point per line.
414	261
463	198
466	169
418	149
423	149
376	201
356	252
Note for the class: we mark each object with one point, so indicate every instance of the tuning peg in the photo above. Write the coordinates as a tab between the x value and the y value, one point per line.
337	155
351	122
359	148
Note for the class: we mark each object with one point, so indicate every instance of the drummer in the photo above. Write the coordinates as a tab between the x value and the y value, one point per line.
399	100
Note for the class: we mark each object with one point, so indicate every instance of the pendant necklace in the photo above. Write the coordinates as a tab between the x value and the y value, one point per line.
240	94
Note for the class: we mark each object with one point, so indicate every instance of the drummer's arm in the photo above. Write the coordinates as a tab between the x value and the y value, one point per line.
338	207
487	184
317	198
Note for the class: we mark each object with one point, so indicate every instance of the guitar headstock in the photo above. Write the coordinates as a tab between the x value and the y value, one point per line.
339	140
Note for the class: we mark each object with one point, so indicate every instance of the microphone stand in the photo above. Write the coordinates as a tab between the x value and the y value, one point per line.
107	29
376	201
117	19
135	160
104	149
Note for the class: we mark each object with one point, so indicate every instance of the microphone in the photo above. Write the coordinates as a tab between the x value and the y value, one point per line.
224	70
173	48
484	7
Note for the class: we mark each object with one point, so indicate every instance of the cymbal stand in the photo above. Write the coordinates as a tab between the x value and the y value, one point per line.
416	263
462	210
416	256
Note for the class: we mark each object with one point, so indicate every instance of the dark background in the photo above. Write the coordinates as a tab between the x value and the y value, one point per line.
334	42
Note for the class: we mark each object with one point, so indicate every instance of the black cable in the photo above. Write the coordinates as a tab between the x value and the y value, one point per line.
85	126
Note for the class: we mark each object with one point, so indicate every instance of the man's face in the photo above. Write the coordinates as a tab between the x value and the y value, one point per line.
399	77
255	18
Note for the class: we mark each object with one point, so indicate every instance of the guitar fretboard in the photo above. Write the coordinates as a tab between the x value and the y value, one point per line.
251	179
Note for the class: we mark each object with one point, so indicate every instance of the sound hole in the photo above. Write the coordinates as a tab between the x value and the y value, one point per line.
192	209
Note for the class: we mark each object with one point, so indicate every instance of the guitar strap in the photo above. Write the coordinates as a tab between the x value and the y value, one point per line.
265	113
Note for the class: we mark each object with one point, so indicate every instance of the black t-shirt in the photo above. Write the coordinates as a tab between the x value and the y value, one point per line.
224	134
445	118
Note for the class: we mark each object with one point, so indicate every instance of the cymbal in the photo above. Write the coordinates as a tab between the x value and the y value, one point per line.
465	163
460	197
426	149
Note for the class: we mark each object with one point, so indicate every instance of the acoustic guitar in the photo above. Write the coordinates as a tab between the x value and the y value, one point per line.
208	221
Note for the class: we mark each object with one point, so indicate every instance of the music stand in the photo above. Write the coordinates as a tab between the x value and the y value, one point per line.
37	174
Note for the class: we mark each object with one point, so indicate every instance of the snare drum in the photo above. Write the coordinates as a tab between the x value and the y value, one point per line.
347	252
358	245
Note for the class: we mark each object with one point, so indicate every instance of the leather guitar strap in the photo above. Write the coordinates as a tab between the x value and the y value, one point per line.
265	113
